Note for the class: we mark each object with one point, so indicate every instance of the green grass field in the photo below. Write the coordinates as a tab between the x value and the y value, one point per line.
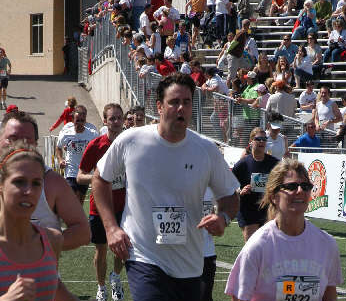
77	271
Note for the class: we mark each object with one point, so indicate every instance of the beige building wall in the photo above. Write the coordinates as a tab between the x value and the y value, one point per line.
15	35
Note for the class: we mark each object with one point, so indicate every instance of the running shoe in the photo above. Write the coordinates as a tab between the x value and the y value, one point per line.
101	294
117	287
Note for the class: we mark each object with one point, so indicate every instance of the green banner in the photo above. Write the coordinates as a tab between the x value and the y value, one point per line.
319	202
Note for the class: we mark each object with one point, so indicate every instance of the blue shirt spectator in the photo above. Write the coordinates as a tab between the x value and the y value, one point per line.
286	49
309	139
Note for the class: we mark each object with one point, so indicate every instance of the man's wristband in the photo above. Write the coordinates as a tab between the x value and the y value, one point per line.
225	216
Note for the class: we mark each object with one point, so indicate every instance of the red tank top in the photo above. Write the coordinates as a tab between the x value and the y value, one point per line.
44	271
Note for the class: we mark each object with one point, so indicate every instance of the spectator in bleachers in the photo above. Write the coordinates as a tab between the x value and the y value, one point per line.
282	101
173	14
323	13
277	143
286	49
336	13
263	96
327	111
155	39
250	45
163	66
172	51
167	23
211	6
235	57
302	67
223	8
126	10
244	11
340	135
309	138
307	18
307	99
235	91
277	6
314	52
116	12
196	13
182	38
282	70
185	67
263	68
148	67
268	83
128	120
197	73
249	95
336	42
223	53
127	38
139	42
138	7
218	117
156	4
140	63
145	28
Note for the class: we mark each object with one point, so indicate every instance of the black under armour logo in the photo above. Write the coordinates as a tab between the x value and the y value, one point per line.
188	166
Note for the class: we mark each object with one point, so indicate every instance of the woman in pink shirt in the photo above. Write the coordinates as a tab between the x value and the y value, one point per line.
288	258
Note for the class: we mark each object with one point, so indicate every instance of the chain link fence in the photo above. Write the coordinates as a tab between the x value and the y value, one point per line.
214	115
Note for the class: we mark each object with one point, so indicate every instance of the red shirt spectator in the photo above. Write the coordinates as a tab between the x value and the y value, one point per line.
198	78
165	67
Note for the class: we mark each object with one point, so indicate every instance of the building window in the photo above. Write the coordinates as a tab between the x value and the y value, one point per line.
36	33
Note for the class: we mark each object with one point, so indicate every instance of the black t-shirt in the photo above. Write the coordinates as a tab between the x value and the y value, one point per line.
248	168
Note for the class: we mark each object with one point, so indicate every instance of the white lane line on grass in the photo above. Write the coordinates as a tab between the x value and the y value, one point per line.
225	265
339	237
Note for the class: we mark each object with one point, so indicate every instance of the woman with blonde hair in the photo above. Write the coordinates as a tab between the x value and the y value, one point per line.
288	258
282	70
263	68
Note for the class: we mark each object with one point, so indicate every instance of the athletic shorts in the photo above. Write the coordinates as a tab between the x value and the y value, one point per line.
196	20
98	232
150	283
248	217
77	187
208	276
4	83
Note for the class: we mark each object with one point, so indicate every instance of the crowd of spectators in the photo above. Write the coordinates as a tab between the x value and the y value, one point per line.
163	42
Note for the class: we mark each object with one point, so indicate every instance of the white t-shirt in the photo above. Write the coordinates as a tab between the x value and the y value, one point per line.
209	246
325	112
172	54
221	7
145	69
148	52
185	68
157	46
210	2
69	125
74	144
144	21
127	2
216	80
277	147
103	130
271	257
164	174
306	98
173	13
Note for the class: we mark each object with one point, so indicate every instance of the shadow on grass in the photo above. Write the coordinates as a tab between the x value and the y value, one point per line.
335	233
84	297
20	97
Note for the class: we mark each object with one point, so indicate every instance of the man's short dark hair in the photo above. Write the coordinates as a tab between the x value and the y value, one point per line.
21	117
176	78
111	106
275	117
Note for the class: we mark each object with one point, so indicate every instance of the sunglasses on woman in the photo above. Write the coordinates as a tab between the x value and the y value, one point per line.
260	139
293	186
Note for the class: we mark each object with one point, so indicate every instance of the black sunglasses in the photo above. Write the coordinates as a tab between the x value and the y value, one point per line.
293	186
260	139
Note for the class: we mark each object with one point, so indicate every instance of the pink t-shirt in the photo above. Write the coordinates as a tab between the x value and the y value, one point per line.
273	265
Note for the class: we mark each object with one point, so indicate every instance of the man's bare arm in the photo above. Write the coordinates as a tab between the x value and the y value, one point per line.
229	204
84	178
117	239
65	204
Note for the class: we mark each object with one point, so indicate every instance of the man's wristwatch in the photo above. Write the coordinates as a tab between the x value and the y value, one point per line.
225	216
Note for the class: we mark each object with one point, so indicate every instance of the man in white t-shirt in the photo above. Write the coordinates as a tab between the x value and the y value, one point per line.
73	141
145	23
168	169
173	12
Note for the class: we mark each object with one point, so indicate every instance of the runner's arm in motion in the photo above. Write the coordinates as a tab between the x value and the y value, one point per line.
117	239
215	224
